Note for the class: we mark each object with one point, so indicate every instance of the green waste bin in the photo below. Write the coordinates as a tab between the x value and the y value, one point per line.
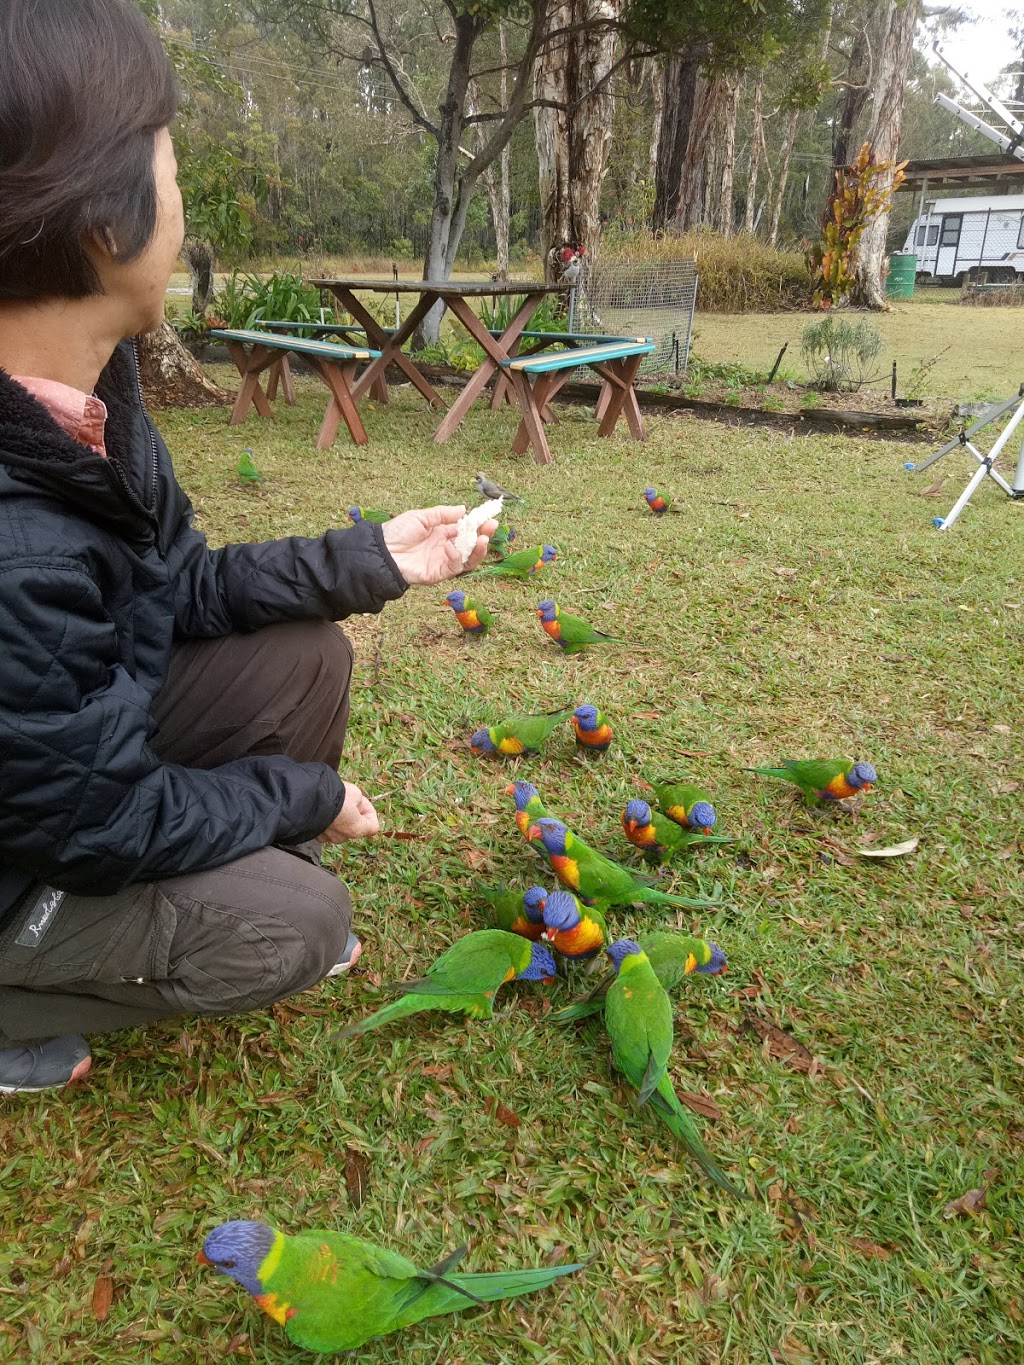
899	283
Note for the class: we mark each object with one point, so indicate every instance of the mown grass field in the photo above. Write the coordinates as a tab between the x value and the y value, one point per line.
802	605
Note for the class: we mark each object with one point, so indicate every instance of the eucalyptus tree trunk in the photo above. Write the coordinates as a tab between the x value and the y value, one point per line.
720	212
573	142
171	378
792	123
889	79
658	101
679	86
756	143
700	181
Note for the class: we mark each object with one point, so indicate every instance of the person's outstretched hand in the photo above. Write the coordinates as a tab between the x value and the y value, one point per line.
357	818
422	544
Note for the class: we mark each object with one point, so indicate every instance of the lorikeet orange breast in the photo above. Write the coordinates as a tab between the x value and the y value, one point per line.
585	940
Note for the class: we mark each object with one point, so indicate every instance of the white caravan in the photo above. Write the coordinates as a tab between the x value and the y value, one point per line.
955	238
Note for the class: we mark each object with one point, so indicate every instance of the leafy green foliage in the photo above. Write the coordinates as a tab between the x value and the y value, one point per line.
244	300
857	197
839	352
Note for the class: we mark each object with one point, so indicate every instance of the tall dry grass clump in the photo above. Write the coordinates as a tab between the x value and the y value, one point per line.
738	274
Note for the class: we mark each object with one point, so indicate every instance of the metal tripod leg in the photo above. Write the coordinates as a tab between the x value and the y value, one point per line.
992	415
985	463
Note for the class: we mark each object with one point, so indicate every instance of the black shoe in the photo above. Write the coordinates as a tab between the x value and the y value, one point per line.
42	1066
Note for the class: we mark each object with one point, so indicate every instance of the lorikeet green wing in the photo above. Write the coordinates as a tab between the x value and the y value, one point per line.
333	1292
570	633
824	779
638	1017
525	734
686	804
657	837
509	912
529	807
519	564
673	956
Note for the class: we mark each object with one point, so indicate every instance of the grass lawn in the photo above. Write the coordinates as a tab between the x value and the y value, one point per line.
983	359
802	605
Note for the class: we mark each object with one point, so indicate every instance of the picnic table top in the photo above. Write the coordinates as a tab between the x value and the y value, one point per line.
463	288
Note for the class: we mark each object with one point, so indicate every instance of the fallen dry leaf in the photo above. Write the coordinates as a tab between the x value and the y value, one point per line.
893	851
868	1248
1007	788
969	1204
357	1176
102	1297
475	857
933	490
785	573
779	1044
700	1104
837	853
502	1113
439	1073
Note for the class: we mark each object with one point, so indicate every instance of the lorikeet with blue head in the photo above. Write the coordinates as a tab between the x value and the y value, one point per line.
571	633
673	955
358	514
334	1292
825	779
466	978
686	804
657	837
590	726
598	880
638	1017
521	563
515	913
529	807
471	616
501	541
247	470
575	930
517	735
658	505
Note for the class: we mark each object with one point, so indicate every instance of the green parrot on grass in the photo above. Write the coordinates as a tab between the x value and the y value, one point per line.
466	978
570	633
825	779
674	956
521	563
517	735
657	837
638	1017
593	877
515	913
247	470
333	1292
529	809
501	541
358	514
687	805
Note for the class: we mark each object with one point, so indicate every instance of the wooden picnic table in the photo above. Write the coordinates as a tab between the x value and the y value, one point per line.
455	296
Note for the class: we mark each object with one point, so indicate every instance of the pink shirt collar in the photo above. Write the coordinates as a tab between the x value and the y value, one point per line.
82	415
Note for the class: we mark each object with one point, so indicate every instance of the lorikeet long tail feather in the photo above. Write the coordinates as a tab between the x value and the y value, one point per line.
459	1291
784	773
579	1009
649	896
401	1009
676	1121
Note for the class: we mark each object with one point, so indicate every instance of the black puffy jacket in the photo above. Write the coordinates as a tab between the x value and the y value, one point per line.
100	570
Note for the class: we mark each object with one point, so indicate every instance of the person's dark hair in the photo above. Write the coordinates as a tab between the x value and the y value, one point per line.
84	88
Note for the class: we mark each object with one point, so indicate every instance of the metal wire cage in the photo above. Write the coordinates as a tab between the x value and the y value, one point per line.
655	299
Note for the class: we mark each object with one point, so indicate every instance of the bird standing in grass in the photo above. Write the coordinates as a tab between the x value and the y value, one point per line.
515	913
334	1292
522	563
657	837
576	931
247	470
674	956
473	617
571	633
487	488
358	514
590	726
517	735
824	779
466	978
658	505
687	805
638	1017
502	540
598	880
529	808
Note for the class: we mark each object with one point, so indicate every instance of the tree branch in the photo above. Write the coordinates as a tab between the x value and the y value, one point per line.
419	116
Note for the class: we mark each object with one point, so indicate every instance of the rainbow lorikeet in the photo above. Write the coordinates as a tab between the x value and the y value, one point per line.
521	563
570	633
518	734
673	957
658	505
466	978
591	728
358	514
501	541
472	617
529	807
592	876
825	779
576	931
657	837
638	1017
334	1292
686	804
247	470
515	913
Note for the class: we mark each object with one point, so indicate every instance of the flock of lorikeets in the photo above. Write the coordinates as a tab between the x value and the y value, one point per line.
332	1291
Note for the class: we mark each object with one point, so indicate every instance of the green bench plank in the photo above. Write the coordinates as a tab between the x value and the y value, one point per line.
335	328
571	360
327	350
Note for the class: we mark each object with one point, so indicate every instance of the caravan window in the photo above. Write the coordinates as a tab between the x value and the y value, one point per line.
1020	236
951	229
933	234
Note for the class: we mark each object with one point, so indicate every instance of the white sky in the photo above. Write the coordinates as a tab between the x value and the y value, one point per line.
984	47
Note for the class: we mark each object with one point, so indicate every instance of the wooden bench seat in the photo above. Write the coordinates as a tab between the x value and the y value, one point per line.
537	378
255	351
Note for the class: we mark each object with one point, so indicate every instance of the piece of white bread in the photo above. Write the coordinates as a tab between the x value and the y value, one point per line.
469	525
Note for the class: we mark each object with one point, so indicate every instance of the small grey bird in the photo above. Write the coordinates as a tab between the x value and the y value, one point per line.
487	488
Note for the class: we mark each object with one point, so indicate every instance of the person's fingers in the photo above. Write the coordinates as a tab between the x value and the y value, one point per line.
441	516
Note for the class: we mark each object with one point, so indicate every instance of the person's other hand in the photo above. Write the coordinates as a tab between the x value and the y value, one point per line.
422	544
357	818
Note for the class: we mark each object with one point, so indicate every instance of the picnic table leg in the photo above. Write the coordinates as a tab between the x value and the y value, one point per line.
531	427
625	372
496	349
338	376
250	394
281	371
603	399
390	347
